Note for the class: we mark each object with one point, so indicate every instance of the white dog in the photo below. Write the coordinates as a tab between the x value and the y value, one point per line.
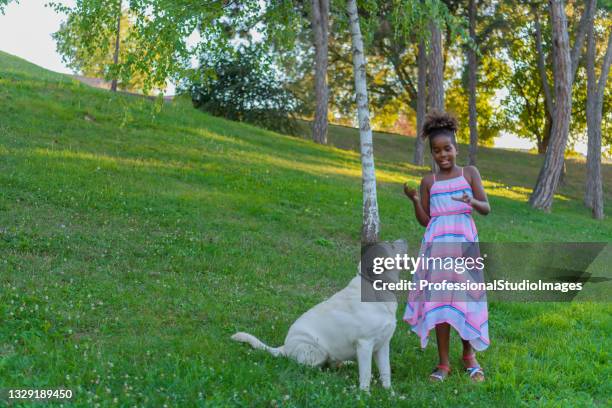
345	328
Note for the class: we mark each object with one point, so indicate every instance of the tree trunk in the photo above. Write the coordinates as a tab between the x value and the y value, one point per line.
419	144
574	57
547	129
436	75
548	178
595	91
562	175
548	98
436	72
320	28
472	68
371	222
539	144
593	150
116	54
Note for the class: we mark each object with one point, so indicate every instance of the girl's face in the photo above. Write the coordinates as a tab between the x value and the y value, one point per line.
443	151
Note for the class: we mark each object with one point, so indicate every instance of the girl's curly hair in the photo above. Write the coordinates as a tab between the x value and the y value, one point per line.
439	123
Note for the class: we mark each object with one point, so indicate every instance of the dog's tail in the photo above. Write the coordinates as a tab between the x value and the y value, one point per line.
258	344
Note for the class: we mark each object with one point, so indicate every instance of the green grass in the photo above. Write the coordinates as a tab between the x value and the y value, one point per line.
136	238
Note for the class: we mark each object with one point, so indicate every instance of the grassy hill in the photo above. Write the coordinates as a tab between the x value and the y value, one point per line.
136	237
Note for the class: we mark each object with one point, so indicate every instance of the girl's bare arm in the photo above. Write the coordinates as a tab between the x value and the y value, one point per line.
420	201
479	202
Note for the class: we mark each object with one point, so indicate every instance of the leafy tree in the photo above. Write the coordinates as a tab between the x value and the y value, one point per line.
244	85
98	61
491	119
526	112
159	33
391	32
524	105
565	62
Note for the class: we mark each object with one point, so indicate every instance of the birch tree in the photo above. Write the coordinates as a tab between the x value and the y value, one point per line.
371	223
595	93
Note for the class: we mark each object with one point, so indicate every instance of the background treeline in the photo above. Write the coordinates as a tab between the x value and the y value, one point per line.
537	69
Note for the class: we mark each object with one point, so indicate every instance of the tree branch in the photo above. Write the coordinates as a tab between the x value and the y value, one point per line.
404	77
576	52
541	64
605	68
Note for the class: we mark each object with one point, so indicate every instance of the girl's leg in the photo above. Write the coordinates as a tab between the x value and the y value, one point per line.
443	338
469	351
467	348
469	359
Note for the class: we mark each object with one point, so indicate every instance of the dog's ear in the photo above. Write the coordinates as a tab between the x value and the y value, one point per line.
401	246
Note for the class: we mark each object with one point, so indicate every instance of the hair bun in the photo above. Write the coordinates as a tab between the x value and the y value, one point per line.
436	121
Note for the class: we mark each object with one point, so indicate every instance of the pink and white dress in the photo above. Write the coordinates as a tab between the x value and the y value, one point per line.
451	222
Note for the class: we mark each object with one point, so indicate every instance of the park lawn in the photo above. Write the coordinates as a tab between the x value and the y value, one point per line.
137	236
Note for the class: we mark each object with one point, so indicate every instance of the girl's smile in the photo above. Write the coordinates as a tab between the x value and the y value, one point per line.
444	152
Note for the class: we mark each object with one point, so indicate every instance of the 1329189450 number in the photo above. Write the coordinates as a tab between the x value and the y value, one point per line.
39	394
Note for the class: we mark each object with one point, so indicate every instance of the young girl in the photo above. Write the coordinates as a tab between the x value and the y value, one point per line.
444	206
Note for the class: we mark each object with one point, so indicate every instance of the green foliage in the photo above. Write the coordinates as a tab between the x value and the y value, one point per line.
524	103
244	85
280	21
93	57
158	37
411	20
4	3
605	5
394	30
491	119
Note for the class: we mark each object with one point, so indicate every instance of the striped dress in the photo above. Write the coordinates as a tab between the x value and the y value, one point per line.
451	222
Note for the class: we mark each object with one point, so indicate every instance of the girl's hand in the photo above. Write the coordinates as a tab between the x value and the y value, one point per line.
465	198
410	192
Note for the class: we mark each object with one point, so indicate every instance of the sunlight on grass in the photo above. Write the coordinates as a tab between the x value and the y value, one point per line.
349	169
103	159
207	134
516	193
556	320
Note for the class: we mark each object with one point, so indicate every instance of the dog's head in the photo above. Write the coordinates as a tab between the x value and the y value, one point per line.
376	260
378	267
